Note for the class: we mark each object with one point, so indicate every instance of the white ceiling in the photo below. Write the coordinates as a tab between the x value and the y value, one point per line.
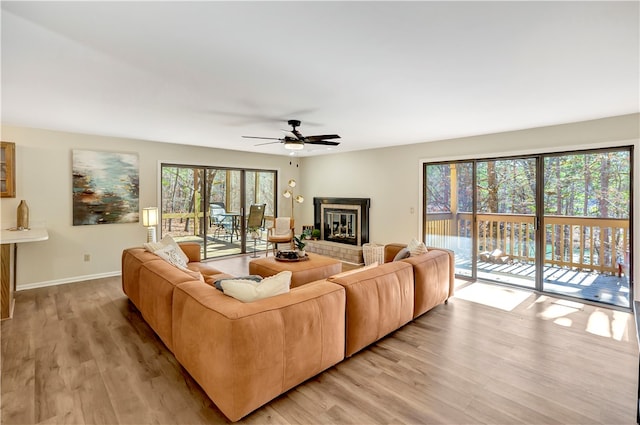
377	73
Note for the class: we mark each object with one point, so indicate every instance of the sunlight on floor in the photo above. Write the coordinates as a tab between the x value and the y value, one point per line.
609	324
558	310
493	295
601	321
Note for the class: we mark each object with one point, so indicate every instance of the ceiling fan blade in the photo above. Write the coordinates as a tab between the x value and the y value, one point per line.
256	137
323	142
268	143
322	137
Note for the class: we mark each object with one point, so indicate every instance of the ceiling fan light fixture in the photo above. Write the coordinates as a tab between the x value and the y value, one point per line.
293	146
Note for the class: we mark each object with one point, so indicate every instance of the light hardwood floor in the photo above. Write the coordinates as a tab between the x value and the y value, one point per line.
80	353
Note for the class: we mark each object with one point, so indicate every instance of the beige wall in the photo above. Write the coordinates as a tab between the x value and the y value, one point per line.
391	177
43	179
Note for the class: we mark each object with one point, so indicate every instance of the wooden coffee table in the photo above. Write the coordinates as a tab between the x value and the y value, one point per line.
315	268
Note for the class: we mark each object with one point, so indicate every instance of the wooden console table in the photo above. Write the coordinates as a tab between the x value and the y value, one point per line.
9	240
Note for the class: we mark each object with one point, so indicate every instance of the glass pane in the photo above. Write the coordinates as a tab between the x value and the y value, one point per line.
259	190
506	207
181	213
586	225
449	202
224	206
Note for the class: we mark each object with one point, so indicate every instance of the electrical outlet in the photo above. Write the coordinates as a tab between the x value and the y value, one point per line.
87	257
411	210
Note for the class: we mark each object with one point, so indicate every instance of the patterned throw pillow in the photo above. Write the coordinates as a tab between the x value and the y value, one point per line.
416	248
167	241
170	254
252	277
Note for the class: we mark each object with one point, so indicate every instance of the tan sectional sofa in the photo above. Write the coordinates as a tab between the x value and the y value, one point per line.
245	354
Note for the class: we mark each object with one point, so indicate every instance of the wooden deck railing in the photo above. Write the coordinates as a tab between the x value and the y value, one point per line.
592	244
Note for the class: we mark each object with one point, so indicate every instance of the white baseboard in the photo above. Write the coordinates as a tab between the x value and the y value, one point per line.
66	280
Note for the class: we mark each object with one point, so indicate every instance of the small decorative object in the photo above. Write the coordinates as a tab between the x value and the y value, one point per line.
150	221
23	216
315	234
290	256
300	243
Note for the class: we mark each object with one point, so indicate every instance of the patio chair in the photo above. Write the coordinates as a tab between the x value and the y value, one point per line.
217	218
255	220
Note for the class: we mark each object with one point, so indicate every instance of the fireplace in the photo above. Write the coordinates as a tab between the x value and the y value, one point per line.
342	220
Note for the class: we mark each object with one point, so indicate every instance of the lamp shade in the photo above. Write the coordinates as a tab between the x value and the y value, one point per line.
150	216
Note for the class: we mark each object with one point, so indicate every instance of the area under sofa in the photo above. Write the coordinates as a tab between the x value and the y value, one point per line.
245	354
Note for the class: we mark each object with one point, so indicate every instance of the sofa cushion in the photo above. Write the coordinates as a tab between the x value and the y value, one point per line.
247	290
352	271
379	301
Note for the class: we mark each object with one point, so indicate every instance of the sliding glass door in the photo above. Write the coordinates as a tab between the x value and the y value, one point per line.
506	220
557	223
587	239
210	205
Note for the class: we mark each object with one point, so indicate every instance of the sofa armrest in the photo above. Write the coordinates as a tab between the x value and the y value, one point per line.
192	251
452	267
434	282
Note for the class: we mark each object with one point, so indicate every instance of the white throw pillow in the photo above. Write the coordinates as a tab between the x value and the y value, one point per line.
416	247
249	290
170	254
167	241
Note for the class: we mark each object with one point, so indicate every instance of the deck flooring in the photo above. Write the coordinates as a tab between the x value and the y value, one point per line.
591	286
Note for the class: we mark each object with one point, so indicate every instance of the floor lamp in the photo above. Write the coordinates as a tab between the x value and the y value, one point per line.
150	221
289	194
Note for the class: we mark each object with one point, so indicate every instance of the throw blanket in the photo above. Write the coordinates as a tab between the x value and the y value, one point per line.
283	226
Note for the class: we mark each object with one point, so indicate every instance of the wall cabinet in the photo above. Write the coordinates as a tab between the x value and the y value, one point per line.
7	170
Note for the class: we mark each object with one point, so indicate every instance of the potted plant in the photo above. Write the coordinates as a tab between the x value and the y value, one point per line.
300	243
315	234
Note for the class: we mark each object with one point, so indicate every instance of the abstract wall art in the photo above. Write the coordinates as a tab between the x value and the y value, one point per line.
105	187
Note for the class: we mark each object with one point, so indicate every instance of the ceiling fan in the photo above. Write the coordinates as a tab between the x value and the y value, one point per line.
296	141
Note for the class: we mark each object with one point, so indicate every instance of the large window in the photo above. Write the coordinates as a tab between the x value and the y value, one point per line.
556	223
210	205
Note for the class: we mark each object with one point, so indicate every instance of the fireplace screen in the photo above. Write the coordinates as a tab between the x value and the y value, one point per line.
341	225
